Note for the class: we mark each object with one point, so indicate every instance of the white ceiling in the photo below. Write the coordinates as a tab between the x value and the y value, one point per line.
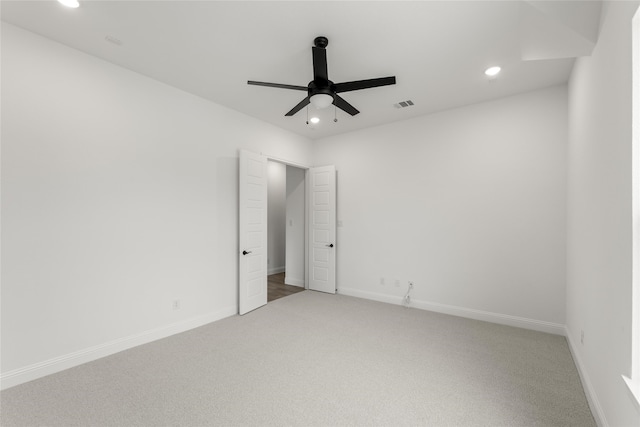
438	50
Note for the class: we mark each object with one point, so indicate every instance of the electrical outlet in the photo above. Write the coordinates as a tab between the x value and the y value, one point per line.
176	304
581	337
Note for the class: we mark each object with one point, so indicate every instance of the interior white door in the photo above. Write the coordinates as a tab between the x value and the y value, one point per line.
322	229
253	231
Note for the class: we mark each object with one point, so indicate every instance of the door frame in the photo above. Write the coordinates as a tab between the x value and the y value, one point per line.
305	168
306	209
307	216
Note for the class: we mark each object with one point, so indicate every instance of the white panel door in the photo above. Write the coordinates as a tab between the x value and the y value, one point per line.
253	231
322	229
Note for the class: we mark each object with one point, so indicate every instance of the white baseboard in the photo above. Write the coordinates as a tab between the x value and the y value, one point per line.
57	364
502	319
589	391
275	270
293	281
391	299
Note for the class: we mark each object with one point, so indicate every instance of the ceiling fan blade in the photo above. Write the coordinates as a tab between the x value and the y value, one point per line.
365	84
344	105
298	107
278	85
320	64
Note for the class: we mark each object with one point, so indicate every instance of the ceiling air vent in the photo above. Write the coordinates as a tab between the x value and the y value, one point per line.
403	104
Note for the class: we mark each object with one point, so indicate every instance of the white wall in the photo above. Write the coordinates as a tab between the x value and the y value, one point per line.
276	216
119	195
295	255
599	216
469	204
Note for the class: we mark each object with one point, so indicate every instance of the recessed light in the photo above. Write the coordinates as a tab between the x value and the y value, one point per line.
492	71
314	120
70	3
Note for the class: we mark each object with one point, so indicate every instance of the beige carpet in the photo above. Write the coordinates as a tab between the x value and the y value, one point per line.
316	359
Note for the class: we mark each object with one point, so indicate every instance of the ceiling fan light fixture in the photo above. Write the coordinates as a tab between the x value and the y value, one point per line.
314	120
69	3
321	100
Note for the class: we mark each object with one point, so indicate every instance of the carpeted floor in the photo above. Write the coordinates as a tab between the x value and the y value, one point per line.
317	359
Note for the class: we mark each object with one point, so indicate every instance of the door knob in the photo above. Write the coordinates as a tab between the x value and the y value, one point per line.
245	252
330	245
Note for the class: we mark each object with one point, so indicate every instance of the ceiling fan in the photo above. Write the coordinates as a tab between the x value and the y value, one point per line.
322	92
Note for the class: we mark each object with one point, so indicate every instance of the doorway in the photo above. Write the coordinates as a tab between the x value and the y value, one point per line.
319	255
285	230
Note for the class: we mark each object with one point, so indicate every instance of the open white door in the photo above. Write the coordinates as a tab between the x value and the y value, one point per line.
253	231
322	229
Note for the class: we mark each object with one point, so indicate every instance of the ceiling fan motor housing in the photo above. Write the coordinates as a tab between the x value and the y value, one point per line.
319	87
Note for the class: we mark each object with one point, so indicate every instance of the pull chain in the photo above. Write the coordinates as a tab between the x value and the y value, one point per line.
335	113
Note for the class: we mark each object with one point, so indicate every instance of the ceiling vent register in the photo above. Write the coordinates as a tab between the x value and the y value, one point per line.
403	104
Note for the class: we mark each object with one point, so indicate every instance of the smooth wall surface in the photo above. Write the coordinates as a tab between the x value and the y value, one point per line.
119	197
599	216
469	204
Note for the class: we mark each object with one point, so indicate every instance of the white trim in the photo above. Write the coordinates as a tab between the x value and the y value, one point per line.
635	197
502	319
391	299
634	391
285	161
589	390
293	282
60	363
307	218
275	270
